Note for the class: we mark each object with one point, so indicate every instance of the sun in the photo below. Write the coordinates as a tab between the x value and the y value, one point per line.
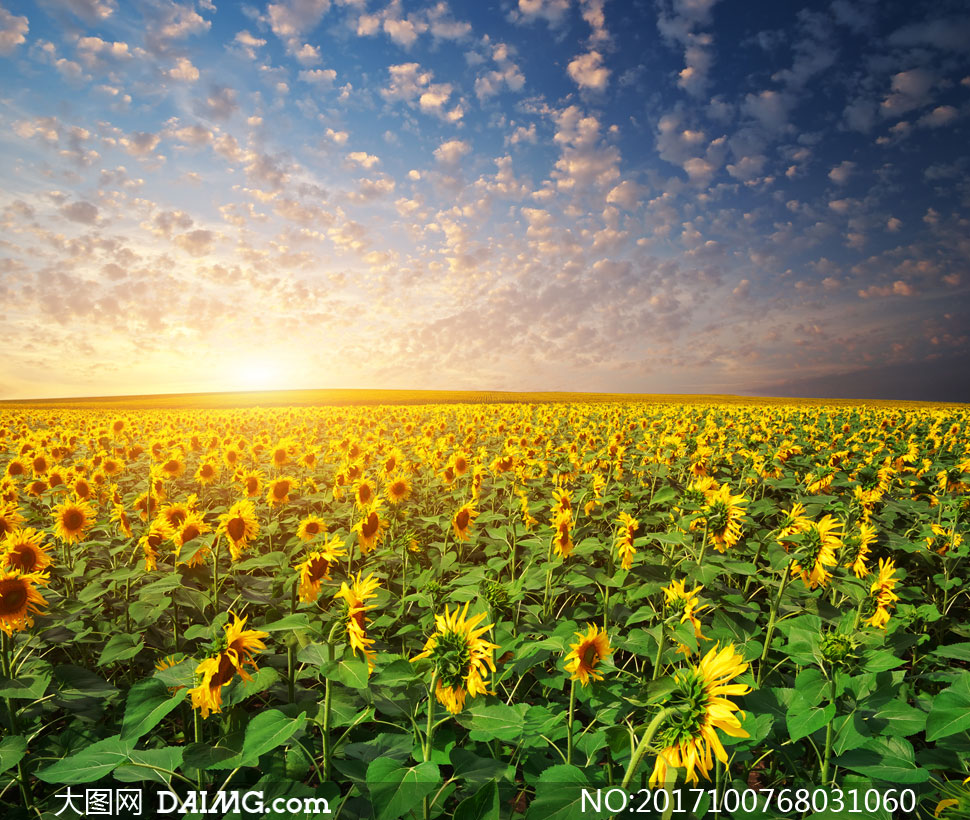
258	373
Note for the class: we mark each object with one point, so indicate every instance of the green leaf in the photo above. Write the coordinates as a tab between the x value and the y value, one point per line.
267	731
559	796
298	620
395	789
951	710
482	805
144	764
12	750
149	701
802	724
121	647
25	686
353	673
958	651
474	769
77	682
497	721
901	719
890	759
92	763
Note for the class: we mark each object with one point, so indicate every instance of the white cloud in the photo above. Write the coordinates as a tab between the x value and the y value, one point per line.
363	159
184	70
840	173
248	44
506	74
552	11
587	71
770	108
593	14
411	84
951	33
451	152
939	116
13	31
910	89
292	19
319	76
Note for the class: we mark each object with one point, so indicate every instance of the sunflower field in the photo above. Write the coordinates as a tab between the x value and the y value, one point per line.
482	611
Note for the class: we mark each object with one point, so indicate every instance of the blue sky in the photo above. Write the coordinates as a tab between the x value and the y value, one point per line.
674	196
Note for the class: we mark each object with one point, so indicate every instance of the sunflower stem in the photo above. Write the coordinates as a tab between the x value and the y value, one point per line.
326	710
644	745
770	631
827	755
429	735
22	780
569	722
700	558
215	579
661	645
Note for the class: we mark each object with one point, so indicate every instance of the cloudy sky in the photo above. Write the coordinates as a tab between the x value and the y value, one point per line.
655	196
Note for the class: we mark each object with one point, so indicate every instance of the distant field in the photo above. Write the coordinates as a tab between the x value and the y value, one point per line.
314	398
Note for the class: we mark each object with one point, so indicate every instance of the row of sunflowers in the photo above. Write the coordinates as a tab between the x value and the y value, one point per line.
485	611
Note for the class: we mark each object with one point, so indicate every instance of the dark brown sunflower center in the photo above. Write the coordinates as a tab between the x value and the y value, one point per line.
171	466
311	528
281	489
23	557
369	528
236	528
461	520
364	494
13	596
190	532
224	673
589	656
73	520
318	568
176	517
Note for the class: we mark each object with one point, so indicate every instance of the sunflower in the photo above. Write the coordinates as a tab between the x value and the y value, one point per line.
40	464
562	539
15	468
628	526
19	600
37	488
158	533
942	539
819	542
23	550
10	518
173	466
240	526
685	603
793	521
190	529
174	514
858	544
120	517
364	493
279	490
356	596
592	647
722	514
207	473
463	519
563	502
689	737
217	671
459	462
310	527
882	592
316	567
397	489
370	529
72	520
252	482
460	657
